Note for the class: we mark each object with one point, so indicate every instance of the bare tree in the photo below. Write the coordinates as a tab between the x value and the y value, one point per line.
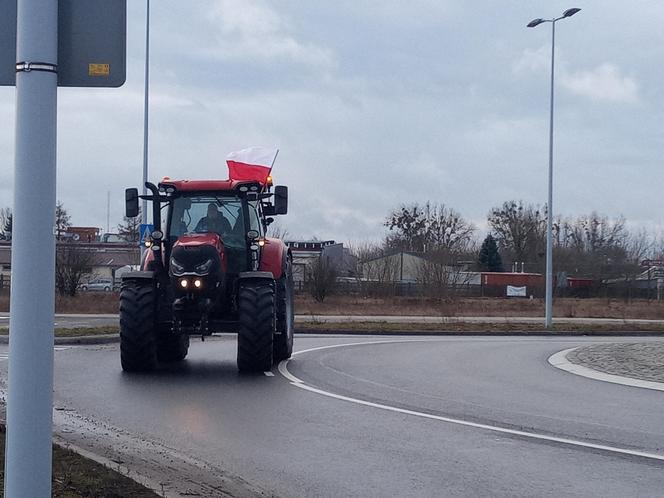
429	227
130	227
322	278
598	247
62	220
278	231
72	263
520	230
6	222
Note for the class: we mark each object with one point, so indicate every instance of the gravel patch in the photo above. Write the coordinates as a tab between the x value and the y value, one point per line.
643	361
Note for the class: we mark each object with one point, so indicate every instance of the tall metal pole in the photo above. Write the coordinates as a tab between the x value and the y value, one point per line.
30	396
144	206
548	320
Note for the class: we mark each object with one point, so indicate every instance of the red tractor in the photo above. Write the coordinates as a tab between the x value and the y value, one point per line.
209	268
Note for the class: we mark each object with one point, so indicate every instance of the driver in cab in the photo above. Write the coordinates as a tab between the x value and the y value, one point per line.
213	222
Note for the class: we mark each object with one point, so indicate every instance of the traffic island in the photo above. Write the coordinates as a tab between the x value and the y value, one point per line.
642	360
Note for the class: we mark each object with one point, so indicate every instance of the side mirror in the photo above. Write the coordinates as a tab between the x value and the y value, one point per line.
131	202
280	199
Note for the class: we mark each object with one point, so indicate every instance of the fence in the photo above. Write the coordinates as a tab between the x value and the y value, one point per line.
626	290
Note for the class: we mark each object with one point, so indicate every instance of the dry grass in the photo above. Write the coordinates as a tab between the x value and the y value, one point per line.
101	302
502	307
75	476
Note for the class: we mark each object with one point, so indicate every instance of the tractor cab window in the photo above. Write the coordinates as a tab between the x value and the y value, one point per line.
254	219
208	213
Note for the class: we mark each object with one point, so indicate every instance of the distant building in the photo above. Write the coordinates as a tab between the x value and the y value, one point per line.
81	234
307	251
106	258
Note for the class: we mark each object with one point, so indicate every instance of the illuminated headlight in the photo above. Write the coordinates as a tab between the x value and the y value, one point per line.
198	283
184	283
176	268
204	268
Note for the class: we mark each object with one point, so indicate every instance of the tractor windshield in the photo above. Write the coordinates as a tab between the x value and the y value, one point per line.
211	213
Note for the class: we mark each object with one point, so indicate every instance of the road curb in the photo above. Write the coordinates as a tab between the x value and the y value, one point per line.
560	361
84	339
483	333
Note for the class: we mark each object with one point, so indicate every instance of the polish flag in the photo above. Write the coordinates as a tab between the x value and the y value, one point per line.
254	163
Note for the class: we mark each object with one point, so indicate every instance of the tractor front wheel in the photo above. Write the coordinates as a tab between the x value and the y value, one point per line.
138	344
173	347
256	307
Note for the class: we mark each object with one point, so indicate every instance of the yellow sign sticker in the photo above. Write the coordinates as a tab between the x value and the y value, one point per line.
99	69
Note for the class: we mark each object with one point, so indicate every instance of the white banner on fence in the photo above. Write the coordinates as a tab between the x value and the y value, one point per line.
516	291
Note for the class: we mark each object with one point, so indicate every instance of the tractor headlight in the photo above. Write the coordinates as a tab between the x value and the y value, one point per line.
176	268
205	267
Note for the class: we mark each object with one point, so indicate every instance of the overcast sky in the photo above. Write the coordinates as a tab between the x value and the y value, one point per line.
374	104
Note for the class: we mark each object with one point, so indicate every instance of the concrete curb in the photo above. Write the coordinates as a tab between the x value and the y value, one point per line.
84	339
483	333
560	361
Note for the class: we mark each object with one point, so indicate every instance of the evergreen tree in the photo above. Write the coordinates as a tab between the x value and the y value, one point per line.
489	258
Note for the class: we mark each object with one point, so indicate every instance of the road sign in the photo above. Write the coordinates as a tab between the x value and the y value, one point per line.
91	43
145	230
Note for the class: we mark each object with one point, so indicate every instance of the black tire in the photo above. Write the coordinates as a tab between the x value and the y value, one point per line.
84	288
283	340
173	347
256	311
107	289
138	344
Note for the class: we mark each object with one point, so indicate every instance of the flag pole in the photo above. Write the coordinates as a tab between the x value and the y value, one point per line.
274	159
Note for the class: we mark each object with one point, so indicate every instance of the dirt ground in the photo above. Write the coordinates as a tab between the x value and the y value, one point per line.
100	302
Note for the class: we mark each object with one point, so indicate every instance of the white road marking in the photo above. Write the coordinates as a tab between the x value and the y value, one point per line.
268	374
5	355
283	369
559	360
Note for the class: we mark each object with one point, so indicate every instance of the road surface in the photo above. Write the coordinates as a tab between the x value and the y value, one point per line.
454	416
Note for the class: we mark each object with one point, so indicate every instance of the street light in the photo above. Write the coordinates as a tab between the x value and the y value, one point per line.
548	319
146	95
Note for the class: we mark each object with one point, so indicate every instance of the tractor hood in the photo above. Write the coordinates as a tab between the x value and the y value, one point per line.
200	239
191	251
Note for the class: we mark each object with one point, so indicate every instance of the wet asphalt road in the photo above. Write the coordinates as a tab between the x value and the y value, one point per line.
290	441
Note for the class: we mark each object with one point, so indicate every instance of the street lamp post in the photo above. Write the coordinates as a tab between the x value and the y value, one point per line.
144	207
548	318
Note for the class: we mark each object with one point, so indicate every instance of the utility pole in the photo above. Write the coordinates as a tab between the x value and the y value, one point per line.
146	96
30	399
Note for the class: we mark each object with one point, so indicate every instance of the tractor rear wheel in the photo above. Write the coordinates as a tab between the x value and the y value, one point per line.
173	347
138	345
283	340
256	309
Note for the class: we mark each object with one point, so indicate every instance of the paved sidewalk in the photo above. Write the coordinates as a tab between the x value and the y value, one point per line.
644	361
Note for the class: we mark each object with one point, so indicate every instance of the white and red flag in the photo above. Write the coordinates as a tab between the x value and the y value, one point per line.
254	163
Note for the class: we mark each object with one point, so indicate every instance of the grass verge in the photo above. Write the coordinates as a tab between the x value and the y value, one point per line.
75	476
